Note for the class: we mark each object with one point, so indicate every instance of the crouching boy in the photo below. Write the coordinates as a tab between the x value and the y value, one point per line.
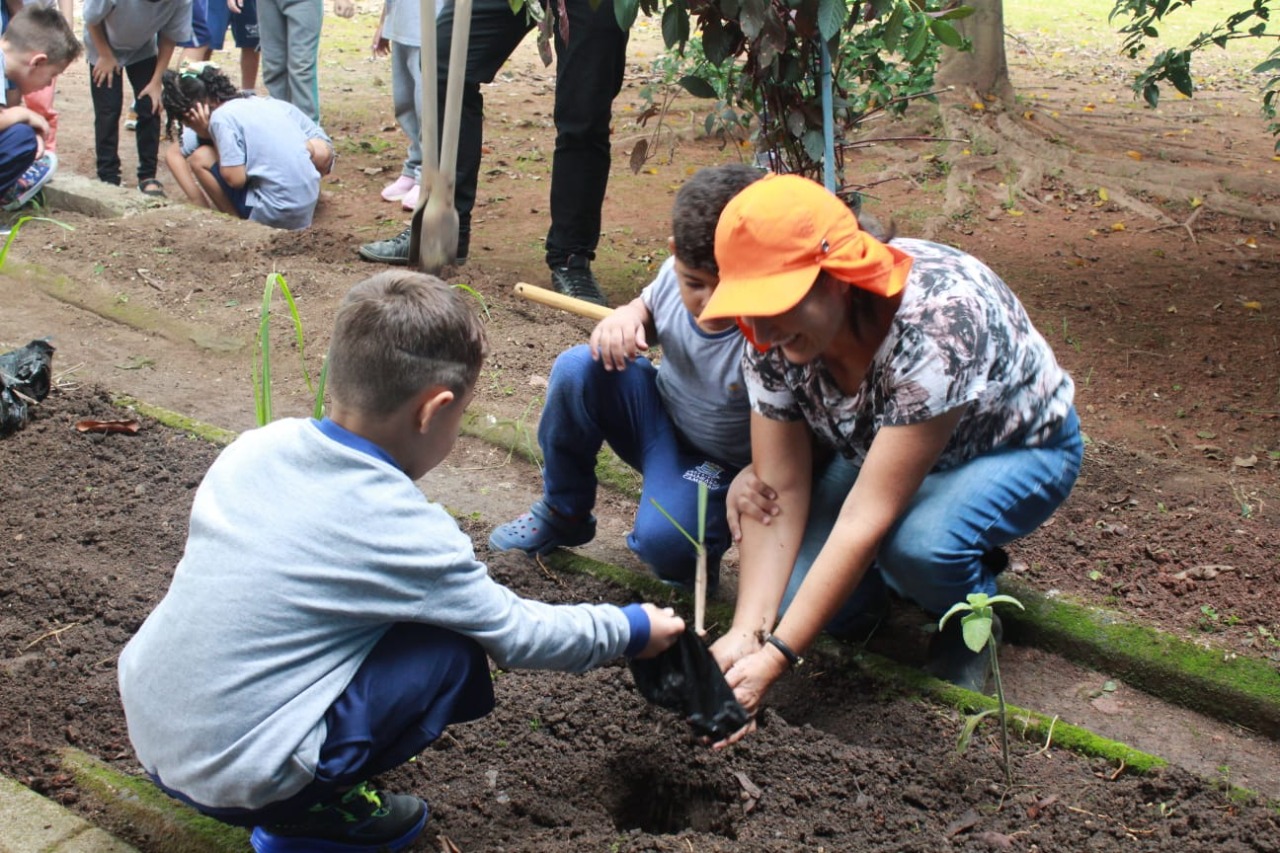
326	621
37	47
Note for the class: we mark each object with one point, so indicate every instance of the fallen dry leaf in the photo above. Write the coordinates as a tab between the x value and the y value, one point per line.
1206	572
1249	461
127	427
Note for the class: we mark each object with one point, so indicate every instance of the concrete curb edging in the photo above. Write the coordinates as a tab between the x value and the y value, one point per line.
31	823
1211	681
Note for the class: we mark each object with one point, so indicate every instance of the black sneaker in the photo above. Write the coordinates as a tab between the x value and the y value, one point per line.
360	821
575	279
395	251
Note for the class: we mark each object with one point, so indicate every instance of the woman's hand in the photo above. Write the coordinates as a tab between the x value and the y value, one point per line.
750	678
750	496
619	338
736	644
664	627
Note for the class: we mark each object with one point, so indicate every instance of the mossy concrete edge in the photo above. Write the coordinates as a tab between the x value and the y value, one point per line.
101	304
1215	682
191	426
136	800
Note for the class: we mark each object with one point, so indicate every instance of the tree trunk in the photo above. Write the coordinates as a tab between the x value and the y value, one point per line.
982	69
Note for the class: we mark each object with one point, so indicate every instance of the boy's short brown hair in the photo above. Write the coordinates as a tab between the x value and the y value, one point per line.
42	29
697	210
398	333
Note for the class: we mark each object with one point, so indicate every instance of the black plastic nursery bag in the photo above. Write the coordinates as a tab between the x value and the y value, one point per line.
25	374
686	679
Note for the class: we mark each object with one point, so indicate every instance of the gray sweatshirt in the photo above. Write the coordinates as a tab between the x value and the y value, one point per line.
303	550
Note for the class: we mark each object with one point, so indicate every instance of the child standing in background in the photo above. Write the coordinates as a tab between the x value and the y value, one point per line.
289	33
134	38
243	22
400	35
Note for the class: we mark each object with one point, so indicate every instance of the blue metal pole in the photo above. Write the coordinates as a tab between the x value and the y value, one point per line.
828	122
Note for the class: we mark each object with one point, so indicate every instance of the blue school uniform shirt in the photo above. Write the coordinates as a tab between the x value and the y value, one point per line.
132	26
269	138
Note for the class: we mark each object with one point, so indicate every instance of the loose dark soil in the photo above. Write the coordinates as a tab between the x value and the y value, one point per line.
1172	335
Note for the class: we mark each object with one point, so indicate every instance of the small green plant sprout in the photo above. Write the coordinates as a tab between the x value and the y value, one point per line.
976	628
262	365
17	226
700	548
475	294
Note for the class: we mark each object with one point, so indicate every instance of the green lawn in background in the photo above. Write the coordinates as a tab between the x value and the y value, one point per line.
1084	23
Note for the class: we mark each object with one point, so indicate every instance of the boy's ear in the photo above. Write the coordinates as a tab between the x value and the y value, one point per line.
37	59
430	403
671	244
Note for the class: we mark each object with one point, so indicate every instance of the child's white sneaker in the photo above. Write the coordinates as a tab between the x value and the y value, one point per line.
398	189
410	200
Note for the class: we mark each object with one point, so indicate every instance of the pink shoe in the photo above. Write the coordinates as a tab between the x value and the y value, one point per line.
397	190
410	200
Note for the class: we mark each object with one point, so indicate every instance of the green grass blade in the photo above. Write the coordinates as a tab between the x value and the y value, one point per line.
262	364
683	532
17	226
317	411
297	326
702	513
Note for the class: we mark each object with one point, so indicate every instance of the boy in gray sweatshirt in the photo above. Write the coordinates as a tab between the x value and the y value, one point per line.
326	621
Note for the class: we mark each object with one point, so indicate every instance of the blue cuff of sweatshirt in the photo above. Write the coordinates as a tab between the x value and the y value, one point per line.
639	621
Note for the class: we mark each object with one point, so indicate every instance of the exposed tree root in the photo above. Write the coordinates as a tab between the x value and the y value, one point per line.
1007	149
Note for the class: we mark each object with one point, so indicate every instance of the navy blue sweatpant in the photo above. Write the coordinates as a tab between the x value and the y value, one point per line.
17	152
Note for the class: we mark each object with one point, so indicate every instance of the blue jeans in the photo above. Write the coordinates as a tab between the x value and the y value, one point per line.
587	406
17	153
289	35
933	553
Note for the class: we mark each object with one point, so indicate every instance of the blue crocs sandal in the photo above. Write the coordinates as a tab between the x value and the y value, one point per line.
540	531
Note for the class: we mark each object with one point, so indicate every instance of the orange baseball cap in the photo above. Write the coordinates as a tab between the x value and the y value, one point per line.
776	235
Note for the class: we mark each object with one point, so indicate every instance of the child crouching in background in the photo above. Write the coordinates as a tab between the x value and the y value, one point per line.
256	158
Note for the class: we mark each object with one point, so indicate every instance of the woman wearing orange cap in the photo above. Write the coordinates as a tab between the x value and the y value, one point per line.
950	422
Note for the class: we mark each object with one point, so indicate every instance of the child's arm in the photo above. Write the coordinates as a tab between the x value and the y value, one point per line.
67	8
197	119
380	46
344	8
624	334
163	54
9	116
106	67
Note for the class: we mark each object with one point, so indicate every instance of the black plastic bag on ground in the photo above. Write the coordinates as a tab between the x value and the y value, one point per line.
686	679
26	374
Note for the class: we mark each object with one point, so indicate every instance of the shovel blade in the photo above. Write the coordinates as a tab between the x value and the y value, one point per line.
434	235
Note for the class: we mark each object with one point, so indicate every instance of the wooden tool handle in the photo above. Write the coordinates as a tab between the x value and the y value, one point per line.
581	307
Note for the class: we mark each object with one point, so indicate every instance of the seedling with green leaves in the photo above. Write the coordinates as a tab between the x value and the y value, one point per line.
700	548
976	628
